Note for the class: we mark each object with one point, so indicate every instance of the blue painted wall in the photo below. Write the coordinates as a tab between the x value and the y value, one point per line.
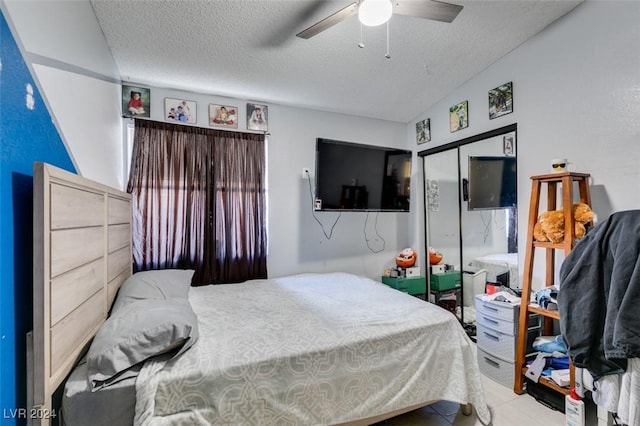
27	134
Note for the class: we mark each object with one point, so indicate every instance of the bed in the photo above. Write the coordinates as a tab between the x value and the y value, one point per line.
307	349
499	263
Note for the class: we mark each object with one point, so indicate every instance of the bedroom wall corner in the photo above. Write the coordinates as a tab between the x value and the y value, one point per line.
66	52
27	134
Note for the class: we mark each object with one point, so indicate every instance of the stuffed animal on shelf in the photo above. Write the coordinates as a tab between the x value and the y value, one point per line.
406	258
550	225
434	256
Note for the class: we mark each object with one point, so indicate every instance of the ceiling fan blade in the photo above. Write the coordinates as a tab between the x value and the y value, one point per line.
329	21
427	9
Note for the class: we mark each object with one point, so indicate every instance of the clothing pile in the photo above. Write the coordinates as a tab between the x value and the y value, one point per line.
620	393
547	298
551	361
506	295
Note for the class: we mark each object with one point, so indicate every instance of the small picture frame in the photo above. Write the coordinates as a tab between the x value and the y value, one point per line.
507	145
433	194
257	117
459	116
501	100
423	131
223	116
136	102
180	111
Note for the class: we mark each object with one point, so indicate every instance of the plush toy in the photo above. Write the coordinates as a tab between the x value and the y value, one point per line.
434	256
550	225
406	258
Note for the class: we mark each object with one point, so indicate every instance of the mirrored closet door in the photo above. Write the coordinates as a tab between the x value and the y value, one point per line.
442	227
471	218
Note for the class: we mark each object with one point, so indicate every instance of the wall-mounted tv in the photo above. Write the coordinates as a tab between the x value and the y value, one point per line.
358	177
492	183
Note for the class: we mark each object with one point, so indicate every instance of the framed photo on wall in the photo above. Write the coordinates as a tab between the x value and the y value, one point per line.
136	101
423	131
459	116
507	145
223	116
180	111
501	100
257	117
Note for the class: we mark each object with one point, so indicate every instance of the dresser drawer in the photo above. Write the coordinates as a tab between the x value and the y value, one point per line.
506	326
498	344
497	310
497	324
496	369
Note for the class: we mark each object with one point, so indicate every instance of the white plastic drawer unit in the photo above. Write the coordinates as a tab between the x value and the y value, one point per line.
496	369
497	310
495	343
504	326
493	323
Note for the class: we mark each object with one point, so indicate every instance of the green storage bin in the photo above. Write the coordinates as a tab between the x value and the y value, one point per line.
447	280
411	285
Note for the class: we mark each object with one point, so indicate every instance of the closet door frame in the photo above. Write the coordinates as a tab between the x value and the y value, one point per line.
455	145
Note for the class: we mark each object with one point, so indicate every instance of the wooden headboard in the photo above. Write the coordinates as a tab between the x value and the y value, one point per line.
81	256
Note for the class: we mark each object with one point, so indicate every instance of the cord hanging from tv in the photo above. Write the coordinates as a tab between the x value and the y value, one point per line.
358	177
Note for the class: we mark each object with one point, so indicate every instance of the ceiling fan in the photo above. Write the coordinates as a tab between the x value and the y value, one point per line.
377	12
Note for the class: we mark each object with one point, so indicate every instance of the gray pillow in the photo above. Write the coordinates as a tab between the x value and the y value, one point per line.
156	284
137	332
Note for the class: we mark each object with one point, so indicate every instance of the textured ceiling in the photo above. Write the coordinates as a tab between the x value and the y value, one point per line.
248	50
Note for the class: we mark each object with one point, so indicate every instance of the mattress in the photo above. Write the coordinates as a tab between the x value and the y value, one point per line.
310	349
499	263
112	405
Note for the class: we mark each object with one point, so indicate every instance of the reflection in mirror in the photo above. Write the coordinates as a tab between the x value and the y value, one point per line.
443	229
489	237
471	218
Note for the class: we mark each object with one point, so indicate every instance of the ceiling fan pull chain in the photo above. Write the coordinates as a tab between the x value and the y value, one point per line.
361	44
388	55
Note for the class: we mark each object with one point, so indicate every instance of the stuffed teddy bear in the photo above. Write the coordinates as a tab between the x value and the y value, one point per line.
550	225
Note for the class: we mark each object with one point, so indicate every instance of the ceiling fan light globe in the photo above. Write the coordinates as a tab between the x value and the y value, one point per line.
374	12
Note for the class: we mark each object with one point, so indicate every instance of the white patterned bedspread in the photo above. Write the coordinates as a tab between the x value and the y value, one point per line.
311	349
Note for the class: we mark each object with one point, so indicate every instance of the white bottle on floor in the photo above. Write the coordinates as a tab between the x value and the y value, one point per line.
574	409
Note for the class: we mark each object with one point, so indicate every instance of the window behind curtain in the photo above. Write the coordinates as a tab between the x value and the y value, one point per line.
199	201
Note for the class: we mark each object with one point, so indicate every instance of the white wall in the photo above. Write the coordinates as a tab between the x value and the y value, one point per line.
576	95
297	242
68	56
65	31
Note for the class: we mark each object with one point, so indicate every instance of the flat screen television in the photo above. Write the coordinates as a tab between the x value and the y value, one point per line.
492	183
358	177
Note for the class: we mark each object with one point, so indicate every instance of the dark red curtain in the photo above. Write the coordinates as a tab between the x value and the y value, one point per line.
199	201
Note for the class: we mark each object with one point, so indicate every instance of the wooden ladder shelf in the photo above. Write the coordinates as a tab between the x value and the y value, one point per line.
566	180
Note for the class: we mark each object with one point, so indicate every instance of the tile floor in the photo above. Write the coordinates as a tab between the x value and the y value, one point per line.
507	409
